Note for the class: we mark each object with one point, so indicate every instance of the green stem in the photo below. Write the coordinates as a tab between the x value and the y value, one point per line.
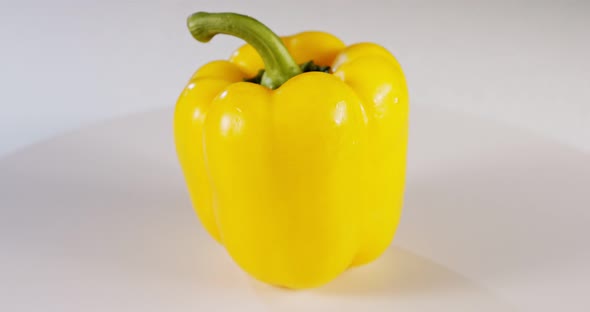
279	64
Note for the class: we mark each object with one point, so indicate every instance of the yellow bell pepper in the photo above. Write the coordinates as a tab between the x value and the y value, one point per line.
300	172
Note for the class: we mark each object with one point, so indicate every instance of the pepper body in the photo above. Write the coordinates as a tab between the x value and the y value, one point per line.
304	181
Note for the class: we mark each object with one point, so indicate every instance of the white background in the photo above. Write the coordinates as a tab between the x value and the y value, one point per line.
99	220
65	64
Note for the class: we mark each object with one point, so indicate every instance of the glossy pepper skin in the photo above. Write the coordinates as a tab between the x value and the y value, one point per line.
303	181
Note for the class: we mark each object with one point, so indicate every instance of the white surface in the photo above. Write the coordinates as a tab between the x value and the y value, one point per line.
68	63
99	220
